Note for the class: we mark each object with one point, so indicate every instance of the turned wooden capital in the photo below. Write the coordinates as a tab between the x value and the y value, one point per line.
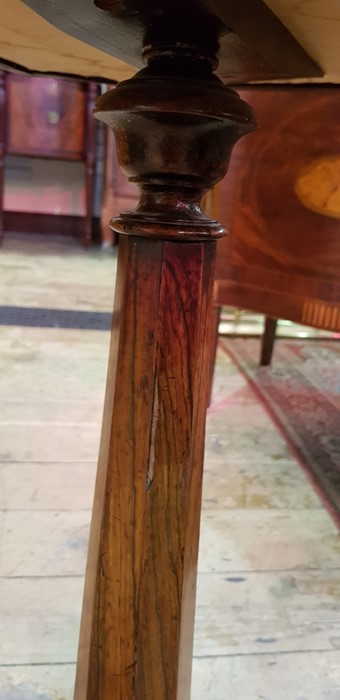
175	124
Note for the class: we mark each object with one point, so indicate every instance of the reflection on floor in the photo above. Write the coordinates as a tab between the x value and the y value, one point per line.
268	619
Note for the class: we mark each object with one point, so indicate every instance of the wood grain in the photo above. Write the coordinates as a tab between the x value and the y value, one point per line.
138	618
252	44
147	519
29	41
316	27
281	258
46	117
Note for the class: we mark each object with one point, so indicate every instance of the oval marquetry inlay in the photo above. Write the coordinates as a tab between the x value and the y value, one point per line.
318	186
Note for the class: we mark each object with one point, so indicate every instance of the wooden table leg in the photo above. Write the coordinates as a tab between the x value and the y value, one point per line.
174	135
268	340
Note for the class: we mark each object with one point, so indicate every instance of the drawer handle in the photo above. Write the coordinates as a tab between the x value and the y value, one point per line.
53	117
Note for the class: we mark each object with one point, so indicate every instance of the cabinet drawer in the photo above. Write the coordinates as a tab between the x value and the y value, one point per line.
46	117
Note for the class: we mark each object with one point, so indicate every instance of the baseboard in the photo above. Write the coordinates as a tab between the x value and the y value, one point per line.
48	224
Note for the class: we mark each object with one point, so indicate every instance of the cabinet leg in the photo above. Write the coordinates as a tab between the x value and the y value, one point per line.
268	340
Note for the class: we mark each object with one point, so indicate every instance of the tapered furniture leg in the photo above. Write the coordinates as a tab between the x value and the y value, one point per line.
175	124
268	340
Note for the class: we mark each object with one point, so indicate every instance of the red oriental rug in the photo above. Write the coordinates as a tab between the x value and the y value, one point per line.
302	392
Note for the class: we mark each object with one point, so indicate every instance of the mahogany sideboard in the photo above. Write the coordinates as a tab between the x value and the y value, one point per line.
48	117
281	206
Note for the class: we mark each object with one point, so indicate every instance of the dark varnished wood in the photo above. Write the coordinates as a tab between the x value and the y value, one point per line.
282	258
268	340
3	122
170	165
90	148
175	124
46	117
49	118
251	42
119	194
49	224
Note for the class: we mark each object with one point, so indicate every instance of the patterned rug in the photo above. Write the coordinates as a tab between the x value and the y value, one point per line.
302	392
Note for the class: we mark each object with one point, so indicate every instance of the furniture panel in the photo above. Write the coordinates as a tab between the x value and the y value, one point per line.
49	118
281	204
